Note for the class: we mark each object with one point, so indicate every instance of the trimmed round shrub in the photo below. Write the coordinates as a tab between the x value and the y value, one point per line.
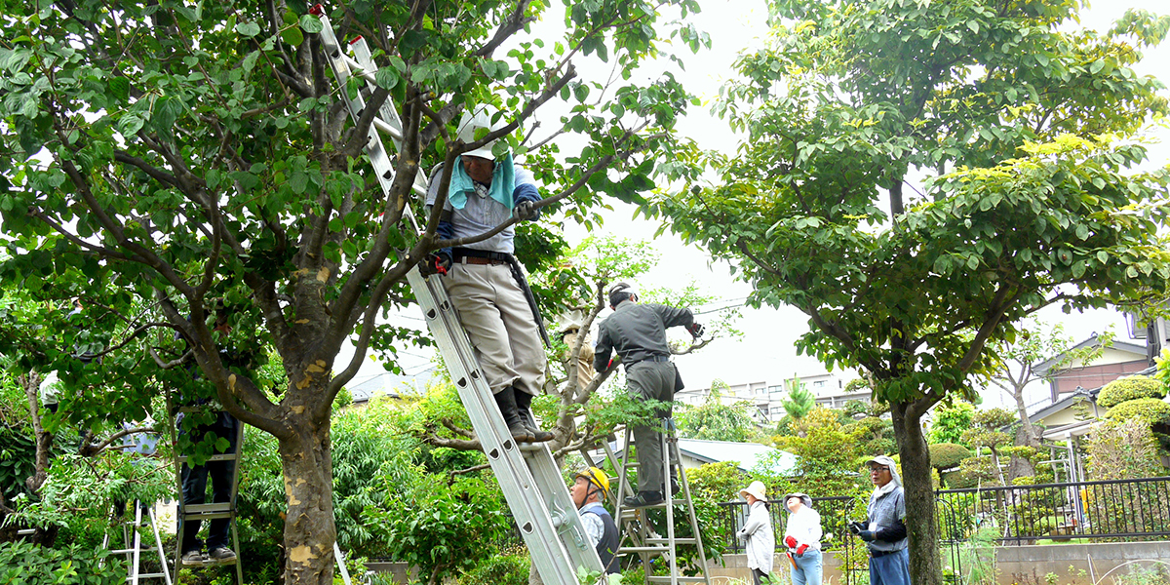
1131	388
1149	410
947	455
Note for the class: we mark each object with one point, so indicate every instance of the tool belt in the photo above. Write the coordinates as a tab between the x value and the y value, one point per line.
470	256
881	553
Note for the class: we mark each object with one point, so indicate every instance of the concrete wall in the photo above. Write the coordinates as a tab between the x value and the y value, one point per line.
1079	564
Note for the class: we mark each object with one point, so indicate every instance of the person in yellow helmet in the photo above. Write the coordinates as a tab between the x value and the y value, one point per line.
590	488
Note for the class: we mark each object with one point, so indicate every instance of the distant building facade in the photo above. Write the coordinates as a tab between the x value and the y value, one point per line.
766	396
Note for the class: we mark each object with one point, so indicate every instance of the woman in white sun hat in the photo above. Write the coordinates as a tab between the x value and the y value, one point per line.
757	531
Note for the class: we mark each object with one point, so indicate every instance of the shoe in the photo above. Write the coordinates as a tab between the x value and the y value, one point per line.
222	555
192	558
674	487
523	408
506	401
642	500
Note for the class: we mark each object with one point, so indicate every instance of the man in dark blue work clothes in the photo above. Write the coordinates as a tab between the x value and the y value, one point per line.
637	332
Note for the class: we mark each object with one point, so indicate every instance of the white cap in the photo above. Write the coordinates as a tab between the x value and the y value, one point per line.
474	120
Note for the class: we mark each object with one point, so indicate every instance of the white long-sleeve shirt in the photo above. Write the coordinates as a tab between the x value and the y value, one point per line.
805	527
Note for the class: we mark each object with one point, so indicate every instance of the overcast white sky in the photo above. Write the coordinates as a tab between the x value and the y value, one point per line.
766	351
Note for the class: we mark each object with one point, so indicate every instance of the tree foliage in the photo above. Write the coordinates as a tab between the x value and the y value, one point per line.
1150	411
191	159
715	421
950	421
1130	388
799	401
944	456
825	453
1015	118
1123	449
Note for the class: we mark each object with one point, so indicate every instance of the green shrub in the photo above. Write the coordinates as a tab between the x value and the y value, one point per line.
947	455
1131	388
498	570
30	564
1148	410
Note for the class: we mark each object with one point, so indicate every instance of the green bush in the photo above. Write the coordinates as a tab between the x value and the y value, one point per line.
29	564
509	569
945	456
1149	410
1131	388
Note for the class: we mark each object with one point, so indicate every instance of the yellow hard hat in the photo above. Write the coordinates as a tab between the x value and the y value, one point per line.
596	477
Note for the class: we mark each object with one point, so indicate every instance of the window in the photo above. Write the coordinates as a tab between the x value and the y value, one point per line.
819	384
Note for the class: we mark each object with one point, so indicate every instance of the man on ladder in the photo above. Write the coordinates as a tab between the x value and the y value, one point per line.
637	332
483	279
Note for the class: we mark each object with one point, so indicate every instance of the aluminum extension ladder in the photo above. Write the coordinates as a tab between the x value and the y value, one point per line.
132	543
636	526
528	476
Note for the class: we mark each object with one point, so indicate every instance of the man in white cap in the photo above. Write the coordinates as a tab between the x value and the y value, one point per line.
757	531
485	191
885	532
637	332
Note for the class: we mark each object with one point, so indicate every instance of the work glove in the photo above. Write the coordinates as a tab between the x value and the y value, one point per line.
856	527
435	263
525	210
866	535
800	550
696	330
790	541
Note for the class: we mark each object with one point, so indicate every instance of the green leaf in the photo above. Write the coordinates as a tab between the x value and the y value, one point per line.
386	78
130	124
248	29
292	36
250	60
1096	66
311	24
119	88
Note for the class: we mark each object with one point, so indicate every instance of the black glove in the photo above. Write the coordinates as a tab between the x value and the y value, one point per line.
696	330
856	527
866	535
525	210
435	263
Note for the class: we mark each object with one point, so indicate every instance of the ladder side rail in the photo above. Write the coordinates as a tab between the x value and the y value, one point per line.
137	554
686	491
526	503
162	557
566	519
340	63
391	123
667	454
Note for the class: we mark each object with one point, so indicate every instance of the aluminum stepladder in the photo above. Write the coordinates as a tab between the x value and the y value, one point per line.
207	512
635	523
132	543
530	479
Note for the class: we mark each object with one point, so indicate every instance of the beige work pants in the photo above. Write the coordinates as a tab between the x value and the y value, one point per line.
496	316
584	360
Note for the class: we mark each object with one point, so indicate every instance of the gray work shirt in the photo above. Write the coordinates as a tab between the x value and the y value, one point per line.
480	214
637	332
884	511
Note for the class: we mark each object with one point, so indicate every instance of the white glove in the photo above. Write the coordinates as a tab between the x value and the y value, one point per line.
525	210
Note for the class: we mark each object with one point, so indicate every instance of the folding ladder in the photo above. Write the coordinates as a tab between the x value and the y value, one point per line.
528	476
635	523
207	512
132	543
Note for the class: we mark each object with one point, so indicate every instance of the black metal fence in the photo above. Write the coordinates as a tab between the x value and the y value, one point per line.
1131	510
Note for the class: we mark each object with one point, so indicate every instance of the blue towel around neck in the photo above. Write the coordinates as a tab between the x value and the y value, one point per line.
503	183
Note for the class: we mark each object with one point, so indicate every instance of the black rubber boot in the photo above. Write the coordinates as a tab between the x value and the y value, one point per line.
506	400
642	500
524	408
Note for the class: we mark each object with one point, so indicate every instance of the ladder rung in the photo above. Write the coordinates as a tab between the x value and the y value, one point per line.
216	457
126	551
644	549
680	578
208	511
147	576
660	540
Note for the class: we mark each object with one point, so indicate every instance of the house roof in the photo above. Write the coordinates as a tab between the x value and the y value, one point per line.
1062	404
388	383
1043	367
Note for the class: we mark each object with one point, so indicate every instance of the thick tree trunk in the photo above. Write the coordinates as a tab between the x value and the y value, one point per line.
1031	436
309	529
925	566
